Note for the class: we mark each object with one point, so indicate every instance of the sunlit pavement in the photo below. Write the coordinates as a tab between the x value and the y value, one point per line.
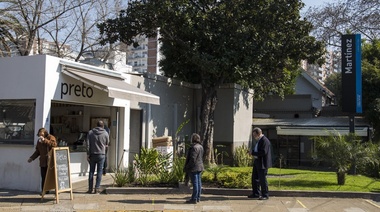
165	199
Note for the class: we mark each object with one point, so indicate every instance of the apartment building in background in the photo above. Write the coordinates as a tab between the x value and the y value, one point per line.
49	48
145	57
332	65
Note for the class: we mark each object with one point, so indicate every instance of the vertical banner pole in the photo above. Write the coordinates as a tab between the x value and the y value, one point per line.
351	77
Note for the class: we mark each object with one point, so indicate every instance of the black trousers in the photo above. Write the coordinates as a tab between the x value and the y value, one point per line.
105	163
259	180
43	177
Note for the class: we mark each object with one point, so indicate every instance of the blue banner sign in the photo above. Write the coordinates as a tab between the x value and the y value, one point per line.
351	74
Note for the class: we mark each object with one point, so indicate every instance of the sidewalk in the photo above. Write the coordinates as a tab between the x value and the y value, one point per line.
172	199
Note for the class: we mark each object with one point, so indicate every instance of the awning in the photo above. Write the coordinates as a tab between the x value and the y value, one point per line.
116	87
320	131
320	126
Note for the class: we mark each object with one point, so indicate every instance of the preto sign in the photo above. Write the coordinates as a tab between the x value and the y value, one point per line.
351	74
77	90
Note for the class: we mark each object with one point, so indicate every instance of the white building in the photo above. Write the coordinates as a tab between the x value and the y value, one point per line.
145	57
320	73
69	97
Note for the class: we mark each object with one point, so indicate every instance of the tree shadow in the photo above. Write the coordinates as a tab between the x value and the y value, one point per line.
179	200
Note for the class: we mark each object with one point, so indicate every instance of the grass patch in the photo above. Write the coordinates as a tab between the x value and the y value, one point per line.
293	179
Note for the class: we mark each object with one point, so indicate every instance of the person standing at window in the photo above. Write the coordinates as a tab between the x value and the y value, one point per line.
262	162
194	167
97	141
44	144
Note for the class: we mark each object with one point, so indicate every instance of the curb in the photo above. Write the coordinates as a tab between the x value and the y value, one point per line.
241	192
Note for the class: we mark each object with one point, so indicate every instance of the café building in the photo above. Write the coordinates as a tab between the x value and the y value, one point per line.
67	98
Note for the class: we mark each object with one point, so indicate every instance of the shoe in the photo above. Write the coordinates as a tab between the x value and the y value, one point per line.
263	198
198	200
97	191
253	196
89	191
191	201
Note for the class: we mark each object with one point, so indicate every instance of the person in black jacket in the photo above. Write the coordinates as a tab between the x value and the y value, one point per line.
261	152
194	167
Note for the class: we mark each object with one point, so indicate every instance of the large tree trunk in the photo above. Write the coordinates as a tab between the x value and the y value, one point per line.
209	100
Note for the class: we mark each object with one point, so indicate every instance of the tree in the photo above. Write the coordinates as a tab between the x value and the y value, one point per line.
78	29
257	44
344	152
371	84
333	20
21	22
334	83
69	24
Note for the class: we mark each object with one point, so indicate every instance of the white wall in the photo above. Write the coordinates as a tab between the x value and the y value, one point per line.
176	106
38	77
305	87
180	101
22	78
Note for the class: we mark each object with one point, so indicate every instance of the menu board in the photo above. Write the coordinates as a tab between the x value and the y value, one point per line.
58	173
63	173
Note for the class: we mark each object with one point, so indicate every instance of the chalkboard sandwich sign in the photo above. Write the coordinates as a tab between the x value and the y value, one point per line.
58	173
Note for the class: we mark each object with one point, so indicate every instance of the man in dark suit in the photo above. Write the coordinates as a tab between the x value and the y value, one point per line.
261	152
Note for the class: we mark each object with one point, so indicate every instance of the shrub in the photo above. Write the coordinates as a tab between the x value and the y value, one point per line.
164	168
178	172
123	176
152	165
241	156
236	179
214	170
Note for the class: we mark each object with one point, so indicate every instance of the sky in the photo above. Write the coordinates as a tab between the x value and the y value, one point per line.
312	3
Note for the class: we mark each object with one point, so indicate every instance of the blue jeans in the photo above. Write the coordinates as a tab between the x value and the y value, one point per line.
98	161
196	180
259	180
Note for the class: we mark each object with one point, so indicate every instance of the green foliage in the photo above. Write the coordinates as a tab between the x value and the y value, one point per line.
334	83
176	144
151	162
294	179
215	170
236	180
163	169
368	162
345	152
181	126
216	42
123	176
241	156
371	83
334	149
178	172
222	41
220	154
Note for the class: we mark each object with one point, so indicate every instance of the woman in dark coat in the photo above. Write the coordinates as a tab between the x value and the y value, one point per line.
194	167
44	144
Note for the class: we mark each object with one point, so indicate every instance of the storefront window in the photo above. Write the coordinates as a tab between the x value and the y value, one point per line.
17	121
